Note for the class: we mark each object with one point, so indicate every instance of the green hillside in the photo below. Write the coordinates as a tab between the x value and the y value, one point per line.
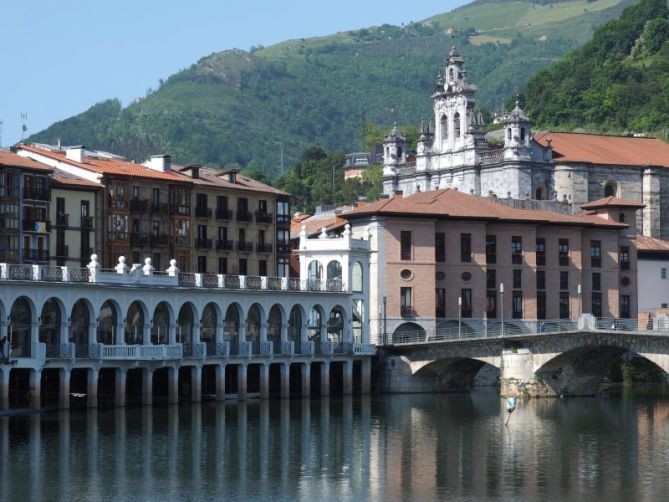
245	108
617	81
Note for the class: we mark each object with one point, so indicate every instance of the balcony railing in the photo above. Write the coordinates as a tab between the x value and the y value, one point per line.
244	216
225	245
181	240
138	239
203	243
263	247
33	225
62	220
181	209
34	194
407	311
36	255
283	219
244	246
139	206
160	240
263	217
86	222
224	214
203	212
159	208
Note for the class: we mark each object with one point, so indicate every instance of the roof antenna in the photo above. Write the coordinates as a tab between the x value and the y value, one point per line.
24	125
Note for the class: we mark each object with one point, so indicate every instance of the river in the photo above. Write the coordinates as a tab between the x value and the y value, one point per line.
401	447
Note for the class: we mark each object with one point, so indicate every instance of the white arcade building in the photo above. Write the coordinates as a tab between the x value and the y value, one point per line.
140	334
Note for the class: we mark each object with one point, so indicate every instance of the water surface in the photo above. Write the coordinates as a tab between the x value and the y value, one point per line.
409	447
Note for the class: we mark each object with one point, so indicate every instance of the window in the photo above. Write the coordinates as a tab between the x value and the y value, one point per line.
456	125
444	127
491	279
539	194
135	225
283	267
283	211
491	304
440	246
405	302
242	235
135	192
440	302
663	273
610	189
596	254
563	252
155	196
597	304
243	266
625	306
262	268
405	245
201	264
541	279
517	305
466	248
156	261
564	280
201	232
596	281
564	305
221	203
201	202
621	217
242	205
517	279
516	250
624	258
522	134
466	295
541	252
222	265
222	233
541	305
491	249
262	206
508	133
357	277
85	209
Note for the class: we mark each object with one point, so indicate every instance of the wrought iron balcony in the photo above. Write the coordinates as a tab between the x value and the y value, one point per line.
62	220
36	194
160	208
283	219
263	217
407	311
34	225
36	255
244	246
203	243
224	214
225	245
86	222
263	247
159	240
244	216
203	212
139	206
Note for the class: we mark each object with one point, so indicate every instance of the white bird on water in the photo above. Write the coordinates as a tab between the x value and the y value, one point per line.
510	407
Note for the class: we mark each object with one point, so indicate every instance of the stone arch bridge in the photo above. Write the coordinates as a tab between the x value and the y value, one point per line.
569	363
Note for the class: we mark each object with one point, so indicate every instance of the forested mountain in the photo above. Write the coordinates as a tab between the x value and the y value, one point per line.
617	81
247	107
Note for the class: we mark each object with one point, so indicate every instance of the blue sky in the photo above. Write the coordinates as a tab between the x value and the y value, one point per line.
58	61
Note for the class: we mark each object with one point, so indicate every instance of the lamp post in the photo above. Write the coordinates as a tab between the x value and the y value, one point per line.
459	317
501	293
580	302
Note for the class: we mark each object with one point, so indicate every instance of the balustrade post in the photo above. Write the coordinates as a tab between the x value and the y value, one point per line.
220	382
242	282
306	379
36	273
285	380
264	381
147	386
4	270
241	381
120	386
92	388
64	388
196	384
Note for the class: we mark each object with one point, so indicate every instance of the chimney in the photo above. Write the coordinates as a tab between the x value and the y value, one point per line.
399	193
194	171
76	153
229	175
160	163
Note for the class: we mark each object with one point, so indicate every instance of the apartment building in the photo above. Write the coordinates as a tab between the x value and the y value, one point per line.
24	210
444	254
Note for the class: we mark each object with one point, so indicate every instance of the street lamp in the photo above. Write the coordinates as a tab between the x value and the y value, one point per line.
501	292
459	317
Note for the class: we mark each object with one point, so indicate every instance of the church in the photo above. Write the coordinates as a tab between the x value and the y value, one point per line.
541	170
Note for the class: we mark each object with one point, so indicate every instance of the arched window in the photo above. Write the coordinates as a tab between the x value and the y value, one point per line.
522	134
161	324
185	325
621	217
539	194
107	321
508	133
315	323
610	189
231	324
358	318
295	325
336	325
208	325
80	320
274	324
456	125
451	74
314	275
253	323
134	328
399	152
18	331
50	322
444	127
357	277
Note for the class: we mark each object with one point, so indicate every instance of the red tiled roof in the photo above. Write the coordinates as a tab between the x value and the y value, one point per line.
211	176
109	166
67	179
11	159
315	224
452	204
601	149
612	202
651	244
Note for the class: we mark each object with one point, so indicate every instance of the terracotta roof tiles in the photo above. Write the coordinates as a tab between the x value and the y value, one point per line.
651	244
11	159
612	202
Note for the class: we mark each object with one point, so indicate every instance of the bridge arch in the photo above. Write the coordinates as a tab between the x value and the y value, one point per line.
409	331
457	374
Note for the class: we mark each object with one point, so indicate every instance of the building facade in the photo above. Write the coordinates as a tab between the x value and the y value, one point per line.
569	168
442	255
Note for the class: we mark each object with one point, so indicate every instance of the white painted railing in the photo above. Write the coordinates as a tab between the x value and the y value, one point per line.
141	352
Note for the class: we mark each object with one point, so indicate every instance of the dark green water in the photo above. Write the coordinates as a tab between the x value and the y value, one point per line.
413	447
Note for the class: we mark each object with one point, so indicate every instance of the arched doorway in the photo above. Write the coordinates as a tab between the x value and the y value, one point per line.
80	321
253	320
20	324
295	326
231	325
208	327
107	323
357	320
336	326
161	324
315	324
134	328
274	322
334	276
314	275
185	322
50	323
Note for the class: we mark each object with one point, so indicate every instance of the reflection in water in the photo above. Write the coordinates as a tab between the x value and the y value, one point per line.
414	447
